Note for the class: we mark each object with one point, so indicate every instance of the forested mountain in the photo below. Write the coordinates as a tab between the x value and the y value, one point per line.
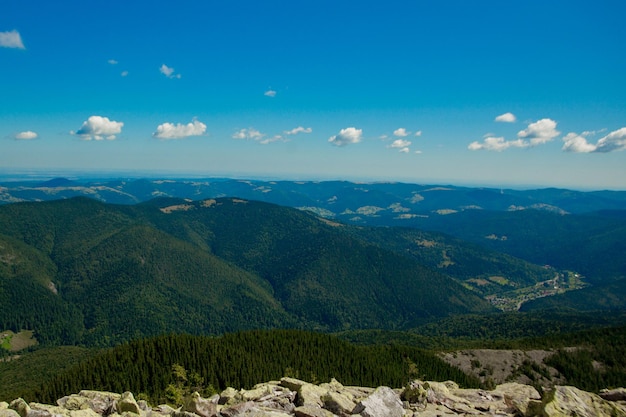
106	273
239	360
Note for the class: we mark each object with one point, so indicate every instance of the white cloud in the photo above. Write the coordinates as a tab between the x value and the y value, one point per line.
497	144
400	143
347	136
124	73
404	150
540	132
418	133
112	62
270	93
297	130
250	133
99	128
168	71
11	39
179	131
28	135
506	118
614	141
276	138
401	132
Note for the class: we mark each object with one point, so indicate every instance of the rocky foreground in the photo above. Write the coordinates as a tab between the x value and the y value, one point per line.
293	397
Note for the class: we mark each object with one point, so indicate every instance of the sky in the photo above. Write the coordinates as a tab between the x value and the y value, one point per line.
487	93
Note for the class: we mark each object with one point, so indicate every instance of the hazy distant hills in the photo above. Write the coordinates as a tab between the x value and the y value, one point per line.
342	199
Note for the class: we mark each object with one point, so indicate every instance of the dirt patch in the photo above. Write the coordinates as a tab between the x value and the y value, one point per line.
499	366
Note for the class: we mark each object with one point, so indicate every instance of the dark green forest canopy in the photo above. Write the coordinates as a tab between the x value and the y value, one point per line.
243	359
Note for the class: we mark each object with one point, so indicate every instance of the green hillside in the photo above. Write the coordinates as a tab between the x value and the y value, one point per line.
103	273
241	360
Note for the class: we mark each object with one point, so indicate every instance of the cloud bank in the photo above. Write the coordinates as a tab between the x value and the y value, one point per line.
179	130
614	141
11	39
347	136
99	128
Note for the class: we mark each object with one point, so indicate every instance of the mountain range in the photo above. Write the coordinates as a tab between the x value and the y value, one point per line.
148	257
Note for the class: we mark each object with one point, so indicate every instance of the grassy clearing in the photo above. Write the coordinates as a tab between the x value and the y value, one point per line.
14	342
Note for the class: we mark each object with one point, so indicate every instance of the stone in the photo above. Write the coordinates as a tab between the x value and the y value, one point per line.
7	412
312	411
383	402
228	396
20	406
338	403
292	383
84	413
127	403
45	410
564	401
238	409
518	396
200	406
74	402
256	393
101	402
618	394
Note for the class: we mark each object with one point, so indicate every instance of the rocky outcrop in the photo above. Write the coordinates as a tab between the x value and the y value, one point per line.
292	397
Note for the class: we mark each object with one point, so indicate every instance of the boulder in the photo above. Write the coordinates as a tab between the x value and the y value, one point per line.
618	394
20	406
127	403
338	403
311	411
7	412
383	402
229	396
45	410
84	413
101	402
519	397
200	406
73	402
564	401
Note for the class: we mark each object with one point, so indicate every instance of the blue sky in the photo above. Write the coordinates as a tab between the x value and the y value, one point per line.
522	93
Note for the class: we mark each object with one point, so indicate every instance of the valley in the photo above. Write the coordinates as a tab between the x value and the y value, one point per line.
513	300
451	270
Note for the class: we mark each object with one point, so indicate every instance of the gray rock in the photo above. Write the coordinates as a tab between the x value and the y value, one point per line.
571	401
383	402
238	409
200	406
618	394
20	406
127	403
312	411
338	403
7	412
518	397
